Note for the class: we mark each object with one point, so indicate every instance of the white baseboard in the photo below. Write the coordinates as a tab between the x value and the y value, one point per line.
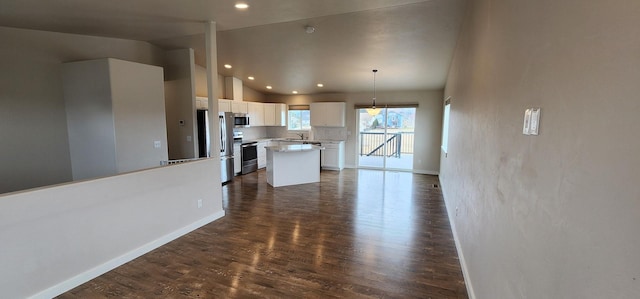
463	263
431	172
121	260
420	171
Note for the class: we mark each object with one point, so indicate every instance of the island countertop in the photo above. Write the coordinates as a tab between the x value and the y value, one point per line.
294	148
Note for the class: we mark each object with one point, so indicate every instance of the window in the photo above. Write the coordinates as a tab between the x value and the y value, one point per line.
445	124
299	117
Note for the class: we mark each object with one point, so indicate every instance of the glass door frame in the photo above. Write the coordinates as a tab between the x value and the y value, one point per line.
386	135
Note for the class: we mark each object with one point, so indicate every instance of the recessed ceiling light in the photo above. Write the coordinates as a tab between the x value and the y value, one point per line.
320	85
295	92
251	78
241	5
269	87
228	66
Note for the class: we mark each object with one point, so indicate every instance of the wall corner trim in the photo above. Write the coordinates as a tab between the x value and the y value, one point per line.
79	279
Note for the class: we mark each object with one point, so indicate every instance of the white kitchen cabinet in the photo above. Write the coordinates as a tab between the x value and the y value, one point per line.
256	114
275	114
239	107
262	153
202	103
281	115
237	158
328	114
224	105
333	156
269	114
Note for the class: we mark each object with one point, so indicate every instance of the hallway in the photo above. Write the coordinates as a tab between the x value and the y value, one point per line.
356	234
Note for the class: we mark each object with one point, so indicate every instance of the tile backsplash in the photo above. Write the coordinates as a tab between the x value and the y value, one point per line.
316	133
325	133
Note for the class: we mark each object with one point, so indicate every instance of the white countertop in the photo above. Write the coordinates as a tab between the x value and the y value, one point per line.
294	148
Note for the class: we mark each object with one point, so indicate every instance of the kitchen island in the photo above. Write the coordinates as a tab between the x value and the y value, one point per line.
293	164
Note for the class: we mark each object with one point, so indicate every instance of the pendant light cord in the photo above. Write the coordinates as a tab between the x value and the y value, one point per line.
374	88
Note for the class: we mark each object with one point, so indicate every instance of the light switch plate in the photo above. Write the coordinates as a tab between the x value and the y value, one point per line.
531	121
157	144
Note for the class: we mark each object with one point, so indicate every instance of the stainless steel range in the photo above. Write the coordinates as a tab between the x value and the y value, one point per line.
249	156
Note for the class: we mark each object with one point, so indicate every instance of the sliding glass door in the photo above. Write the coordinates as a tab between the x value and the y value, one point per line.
385	138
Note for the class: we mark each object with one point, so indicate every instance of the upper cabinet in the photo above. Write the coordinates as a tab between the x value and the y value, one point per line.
202	103
275	114
256	113
281	115
224	105
239	107
328	114
269	114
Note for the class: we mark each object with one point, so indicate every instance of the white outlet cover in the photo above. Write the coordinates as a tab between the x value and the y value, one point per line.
157	144
199	203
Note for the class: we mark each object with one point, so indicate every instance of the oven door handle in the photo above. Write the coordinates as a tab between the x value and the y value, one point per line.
248	145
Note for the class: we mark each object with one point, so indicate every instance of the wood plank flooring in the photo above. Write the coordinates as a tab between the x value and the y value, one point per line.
356	234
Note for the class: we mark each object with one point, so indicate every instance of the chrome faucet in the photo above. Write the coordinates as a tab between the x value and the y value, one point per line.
301	136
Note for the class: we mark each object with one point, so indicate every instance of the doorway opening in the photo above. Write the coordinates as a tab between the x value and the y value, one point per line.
386	139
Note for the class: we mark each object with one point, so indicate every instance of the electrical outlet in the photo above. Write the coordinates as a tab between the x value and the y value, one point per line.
189	138
199	203
456	211
157	144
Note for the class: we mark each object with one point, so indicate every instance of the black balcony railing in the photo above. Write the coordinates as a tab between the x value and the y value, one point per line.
373	143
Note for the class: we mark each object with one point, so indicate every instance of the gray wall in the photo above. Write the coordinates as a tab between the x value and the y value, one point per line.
428	121
90	121
34	150
554	215
179	86
115	114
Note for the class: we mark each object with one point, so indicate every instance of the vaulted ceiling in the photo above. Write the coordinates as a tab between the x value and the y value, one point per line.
410	42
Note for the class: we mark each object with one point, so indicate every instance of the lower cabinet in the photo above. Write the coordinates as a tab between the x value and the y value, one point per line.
262	154
333	156
237	158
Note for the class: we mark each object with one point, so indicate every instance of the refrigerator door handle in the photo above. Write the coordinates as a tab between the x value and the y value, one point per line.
223	130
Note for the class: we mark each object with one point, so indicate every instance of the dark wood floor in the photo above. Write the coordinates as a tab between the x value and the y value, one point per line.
356	234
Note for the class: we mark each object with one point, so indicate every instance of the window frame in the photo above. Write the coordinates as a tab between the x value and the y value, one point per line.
289	122
446	118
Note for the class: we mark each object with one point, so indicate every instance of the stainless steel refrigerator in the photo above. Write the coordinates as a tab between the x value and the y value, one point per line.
225	120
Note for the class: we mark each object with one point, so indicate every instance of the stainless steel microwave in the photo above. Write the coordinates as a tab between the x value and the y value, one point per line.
241	120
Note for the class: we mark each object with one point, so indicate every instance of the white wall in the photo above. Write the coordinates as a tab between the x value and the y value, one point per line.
428	121
179	86
115	114
58	237
139	114
34	150
554	215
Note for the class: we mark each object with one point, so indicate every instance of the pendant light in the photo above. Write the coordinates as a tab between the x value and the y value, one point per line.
373	111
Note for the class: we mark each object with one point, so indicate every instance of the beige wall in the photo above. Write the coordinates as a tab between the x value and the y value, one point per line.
34	150
554	215
201	83
249	94
428	121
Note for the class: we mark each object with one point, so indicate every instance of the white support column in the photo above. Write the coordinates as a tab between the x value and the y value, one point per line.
212	87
